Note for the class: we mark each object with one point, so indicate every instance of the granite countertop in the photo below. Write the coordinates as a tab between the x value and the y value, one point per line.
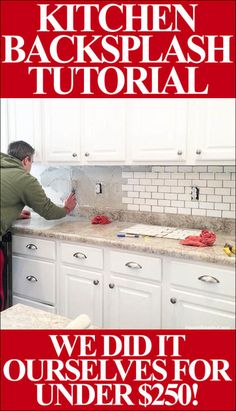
24	317
81	230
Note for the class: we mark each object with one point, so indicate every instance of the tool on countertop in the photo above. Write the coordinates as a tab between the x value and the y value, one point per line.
205	239
122	235
100	219
229	249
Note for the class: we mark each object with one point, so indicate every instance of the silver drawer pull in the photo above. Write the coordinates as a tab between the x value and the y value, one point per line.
82	256
208	279
173	300
95	282
31	278
31	247
132	264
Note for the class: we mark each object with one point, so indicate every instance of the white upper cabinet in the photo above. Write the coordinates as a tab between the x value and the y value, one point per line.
25	123
212	130
4	126
62	123
103	136
156	130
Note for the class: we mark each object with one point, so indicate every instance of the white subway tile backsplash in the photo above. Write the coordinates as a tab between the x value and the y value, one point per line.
145	208
171	196
139	174
215	199
171	210
206	205
157	209
199	183
222	206
228	199
145	195
228	214
133	194
152	189
133	181
185	169
207	176
214	183
223	191
158	195
213	213
215	169
222	176
139	188
167	189
151	202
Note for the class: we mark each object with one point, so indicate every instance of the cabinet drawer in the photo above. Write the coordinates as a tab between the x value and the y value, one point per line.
34	247
202	277
138	266
34	279
82	256
34	304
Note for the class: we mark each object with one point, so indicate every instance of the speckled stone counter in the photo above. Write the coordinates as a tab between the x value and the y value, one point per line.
23	317
82	231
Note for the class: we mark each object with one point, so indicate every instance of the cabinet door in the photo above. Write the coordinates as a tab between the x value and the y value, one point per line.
81	293
132	304
156	130
62	130
103	137
190	310
25	123
213	129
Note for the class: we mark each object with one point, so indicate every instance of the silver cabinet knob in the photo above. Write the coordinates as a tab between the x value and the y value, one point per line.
74	155
86	154
179	152
79	255
208	279
198	151
96	282
173	300
31	247
31	278
111	285
132	264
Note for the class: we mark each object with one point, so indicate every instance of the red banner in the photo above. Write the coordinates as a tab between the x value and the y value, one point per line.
118	49
118	370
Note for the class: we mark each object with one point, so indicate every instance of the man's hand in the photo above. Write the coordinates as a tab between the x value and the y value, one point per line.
70	203
25	214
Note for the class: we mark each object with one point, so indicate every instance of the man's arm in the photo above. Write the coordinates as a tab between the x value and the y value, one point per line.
34	197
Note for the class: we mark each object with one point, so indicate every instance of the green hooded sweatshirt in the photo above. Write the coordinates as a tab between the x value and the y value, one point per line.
20	188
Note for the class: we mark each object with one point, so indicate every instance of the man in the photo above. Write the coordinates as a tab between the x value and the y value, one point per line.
20	188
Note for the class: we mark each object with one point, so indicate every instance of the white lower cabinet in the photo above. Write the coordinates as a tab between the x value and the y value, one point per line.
132	304
198	295
122	289
34	272
81	292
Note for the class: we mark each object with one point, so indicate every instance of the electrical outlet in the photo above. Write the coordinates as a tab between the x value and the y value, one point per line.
195	193
98	188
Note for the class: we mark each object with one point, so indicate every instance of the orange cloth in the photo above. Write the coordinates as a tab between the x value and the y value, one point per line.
205	239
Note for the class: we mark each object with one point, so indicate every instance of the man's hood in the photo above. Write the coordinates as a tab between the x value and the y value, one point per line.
7	161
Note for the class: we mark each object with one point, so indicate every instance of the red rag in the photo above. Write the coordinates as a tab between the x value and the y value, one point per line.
100	219
205	239
1	280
